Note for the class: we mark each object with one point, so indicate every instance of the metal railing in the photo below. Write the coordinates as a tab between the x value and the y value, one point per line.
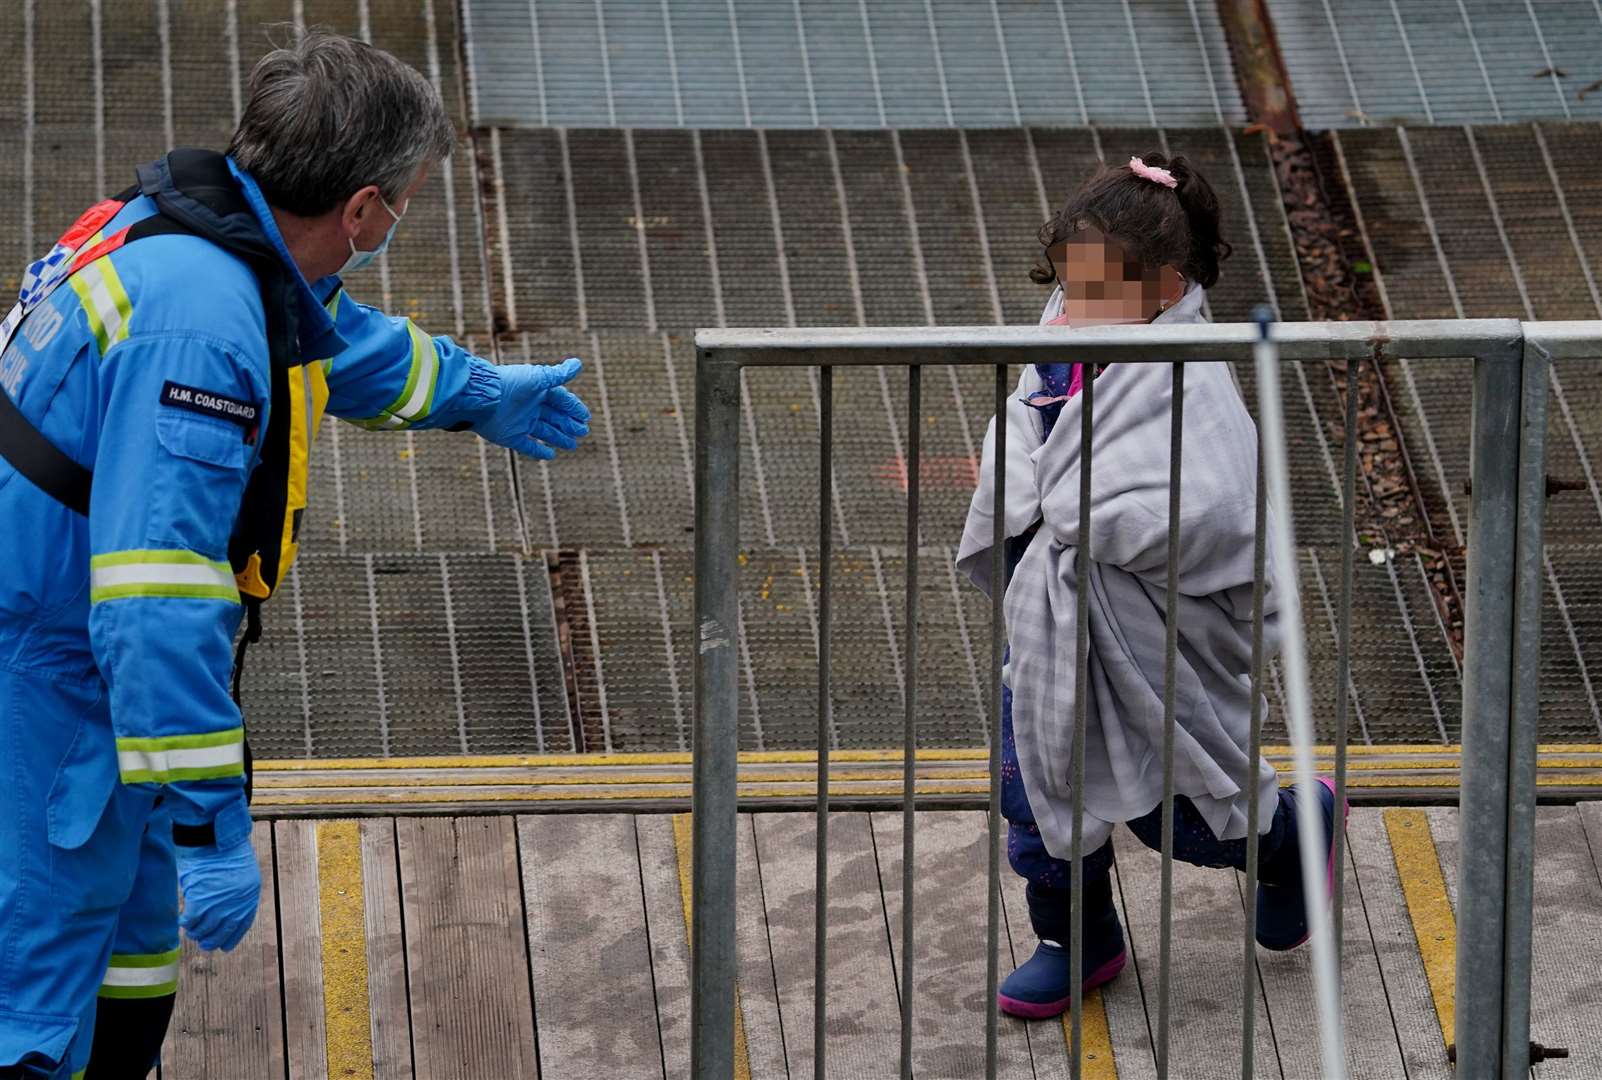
1510	372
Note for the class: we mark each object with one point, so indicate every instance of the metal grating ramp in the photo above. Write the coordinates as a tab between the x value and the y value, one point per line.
1360	62
416	625
1433	229
846	63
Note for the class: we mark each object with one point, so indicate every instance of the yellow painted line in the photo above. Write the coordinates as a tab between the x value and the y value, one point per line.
1096	1061
1418	866
807	757
1362	774
682	845
347	1010
403	795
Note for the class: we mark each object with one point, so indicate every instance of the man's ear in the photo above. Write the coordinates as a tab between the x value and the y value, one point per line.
357	207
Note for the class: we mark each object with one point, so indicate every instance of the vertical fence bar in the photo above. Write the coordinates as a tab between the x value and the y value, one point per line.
1343	653
909	749
1314	853
1487	699
1076	852
1176	445
1249	782
998	588
820	914
713	798
1523	735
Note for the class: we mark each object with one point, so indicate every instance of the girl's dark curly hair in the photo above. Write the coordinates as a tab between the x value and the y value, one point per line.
1156	224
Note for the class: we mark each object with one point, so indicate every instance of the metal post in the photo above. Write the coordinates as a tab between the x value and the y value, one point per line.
1176	446
712	874
909	750
1526	664
1076	853
1299	713
820	896
998	587
1487	678
1343	661
1254	753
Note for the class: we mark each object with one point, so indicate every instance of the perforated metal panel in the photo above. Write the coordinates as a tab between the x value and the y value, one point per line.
847	63
1356	62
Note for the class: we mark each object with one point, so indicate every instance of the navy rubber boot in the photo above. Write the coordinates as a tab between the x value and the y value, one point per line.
1282	922
1042	986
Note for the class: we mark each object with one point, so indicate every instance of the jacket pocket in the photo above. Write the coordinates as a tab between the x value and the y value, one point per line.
84	780
200	469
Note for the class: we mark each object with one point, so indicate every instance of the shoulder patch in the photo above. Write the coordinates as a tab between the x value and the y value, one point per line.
206	403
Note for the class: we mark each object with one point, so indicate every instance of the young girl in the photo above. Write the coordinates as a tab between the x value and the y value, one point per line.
1138	243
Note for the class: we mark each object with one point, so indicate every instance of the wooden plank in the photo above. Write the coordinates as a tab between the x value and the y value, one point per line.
684	853
1407	988
1287	979
228	1021
765	1037
460	896
386	952
1206	963
1565	1009
863	1028
1124	1000
593	999
949	915
665	868
1591	822
305	1033
670	943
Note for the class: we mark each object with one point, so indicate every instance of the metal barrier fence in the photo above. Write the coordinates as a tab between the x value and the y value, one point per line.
1510	373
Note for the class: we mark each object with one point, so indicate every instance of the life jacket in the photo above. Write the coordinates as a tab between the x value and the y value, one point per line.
195	194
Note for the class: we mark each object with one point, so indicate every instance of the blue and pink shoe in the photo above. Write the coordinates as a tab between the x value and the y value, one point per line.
1281	909
1041	987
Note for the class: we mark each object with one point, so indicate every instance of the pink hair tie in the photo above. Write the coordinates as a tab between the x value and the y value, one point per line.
1152	173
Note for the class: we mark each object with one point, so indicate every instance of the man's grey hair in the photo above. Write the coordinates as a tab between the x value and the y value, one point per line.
329	115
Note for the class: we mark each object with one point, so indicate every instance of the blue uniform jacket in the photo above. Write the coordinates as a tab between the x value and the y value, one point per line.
150	366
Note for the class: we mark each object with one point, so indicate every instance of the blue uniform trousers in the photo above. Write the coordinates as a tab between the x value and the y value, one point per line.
88	902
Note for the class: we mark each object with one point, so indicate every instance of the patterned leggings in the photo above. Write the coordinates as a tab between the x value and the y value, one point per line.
1049	877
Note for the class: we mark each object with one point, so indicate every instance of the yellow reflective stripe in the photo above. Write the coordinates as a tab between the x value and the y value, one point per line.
163	759
419	395
141	975
104	301
416	398
168	573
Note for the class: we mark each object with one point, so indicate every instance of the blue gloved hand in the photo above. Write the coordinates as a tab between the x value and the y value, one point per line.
537	415
221	889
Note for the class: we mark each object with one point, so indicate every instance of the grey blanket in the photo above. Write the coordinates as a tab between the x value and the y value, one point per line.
1128	546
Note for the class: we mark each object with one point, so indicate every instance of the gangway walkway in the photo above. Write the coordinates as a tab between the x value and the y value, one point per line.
554	945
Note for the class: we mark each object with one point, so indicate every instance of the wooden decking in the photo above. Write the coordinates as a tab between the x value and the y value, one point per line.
554	946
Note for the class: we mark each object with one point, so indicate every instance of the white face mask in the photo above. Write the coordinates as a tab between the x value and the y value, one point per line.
360	259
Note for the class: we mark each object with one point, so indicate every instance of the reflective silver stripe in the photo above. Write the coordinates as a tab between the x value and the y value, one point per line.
161	975
426	365
184	759
106	577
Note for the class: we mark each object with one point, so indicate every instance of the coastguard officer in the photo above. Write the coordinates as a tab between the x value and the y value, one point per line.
164	374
